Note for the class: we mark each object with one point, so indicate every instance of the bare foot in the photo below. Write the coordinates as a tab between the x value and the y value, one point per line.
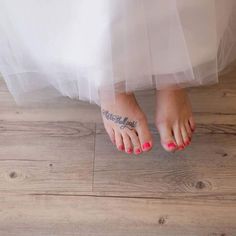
126	124
174	119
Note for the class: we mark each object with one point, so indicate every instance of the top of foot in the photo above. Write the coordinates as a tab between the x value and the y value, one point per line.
174	119
126	124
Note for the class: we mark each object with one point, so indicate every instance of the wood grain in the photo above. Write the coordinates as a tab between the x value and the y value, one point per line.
60	175
206	168
46	156
71	215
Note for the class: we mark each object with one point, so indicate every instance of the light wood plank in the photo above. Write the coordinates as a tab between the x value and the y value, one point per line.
62	215
42	157
207	168
46	156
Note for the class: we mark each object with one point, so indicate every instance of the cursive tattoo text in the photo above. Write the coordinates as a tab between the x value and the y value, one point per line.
123	122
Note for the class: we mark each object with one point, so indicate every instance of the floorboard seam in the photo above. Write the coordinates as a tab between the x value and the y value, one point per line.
190	198
94	149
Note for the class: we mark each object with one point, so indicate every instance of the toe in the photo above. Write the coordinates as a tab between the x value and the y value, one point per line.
188	129
136	143
178	137
185	136
167	139
119	141
145	137
127	143
192	124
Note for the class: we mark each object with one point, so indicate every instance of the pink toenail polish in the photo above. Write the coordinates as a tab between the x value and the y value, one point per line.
121	148
187	143
130	150
171	145
146	146
138	151
181	147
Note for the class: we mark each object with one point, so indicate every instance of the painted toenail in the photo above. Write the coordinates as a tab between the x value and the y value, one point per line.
130	150
187	143
181	147
121	148
171	145
146	146
138	151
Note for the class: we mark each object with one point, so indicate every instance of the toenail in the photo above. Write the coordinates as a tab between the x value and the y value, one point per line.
121	148
138	151
171	145
187	143
181	147
130	150
146	146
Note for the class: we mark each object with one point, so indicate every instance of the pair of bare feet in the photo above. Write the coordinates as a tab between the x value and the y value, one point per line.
127	125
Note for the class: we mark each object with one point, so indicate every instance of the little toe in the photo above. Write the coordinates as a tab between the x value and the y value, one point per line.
167	139
119	141
185	136
127	143
192	124
136	143
178	137
188	129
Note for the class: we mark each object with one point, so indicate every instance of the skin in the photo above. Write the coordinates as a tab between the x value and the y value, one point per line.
174	119
126	124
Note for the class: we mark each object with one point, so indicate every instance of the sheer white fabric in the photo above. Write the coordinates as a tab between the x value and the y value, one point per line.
90	49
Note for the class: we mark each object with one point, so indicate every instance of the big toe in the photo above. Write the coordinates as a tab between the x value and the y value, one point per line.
145	137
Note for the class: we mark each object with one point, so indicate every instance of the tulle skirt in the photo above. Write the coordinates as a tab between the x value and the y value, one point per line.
91	49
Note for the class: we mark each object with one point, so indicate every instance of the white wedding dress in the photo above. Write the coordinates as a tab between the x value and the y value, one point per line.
88	49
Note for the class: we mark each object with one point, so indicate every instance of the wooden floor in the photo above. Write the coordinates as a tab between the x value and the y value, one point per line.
60	176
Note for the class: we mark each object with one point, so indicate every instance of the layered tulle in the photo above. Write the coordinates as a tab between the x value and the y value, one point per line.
90	49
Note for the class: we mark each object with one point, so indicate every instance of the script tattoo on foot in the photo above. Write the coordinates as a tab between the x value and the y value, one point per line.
124	122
